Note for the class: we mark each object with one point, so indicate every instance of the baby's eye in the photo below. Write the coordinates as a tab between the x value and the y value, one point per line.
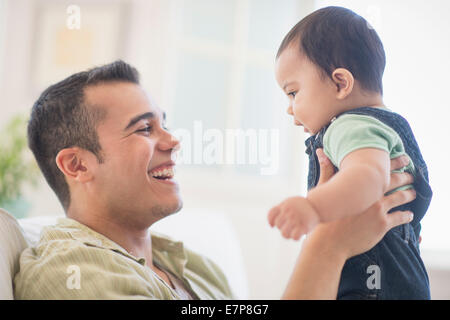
292	94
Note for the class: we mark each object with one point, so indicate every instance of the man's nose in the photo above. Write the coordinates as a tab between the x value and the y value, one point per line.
169	142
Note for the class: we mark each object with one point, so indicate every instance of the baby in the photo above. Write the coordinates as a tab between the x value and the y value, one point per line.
330	65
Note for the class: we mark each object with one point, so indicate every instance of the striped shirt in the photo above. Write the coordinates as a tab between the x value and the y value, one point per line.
72	261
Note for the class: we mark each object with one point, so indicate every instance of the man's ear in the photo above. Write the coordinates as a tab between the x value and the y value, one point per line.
344	82
76	164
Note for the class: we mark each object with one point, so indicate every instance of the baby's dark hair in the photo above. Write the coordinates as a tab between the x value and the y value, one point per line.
336	37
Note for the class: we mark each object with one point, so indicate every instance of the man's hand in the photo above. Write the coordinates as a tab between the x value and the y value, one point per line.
355	235
294	217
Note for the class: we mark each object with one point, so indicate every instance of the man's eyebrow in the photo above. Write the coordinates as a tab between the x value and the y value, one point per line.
147	115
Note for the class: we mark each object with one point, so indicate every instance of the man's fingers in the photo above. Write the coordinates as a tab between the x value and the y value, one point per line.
326	167
397	218
399	162
398	198
400	179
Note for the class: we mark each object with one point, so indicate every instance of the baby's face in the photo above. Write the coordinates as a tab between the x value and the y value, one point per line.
312	99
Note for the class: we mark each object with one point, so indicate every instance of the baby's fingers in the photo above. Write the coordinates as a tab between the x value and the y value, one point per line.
281	220
296	233
273	214
286	230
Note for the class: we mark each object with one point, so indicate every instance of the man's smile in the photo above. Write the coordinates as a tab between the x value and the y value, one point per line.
164	172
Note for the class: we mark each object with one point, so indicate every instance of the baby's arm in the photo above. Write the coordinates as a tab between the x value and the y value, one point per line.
361	147
362	180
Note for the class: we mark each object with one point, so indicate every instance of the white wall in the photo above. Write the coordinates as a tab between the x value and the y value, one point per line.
268	258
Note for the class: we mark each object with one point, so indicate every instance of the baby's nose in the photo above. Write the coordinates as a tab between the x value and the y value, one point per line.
289	111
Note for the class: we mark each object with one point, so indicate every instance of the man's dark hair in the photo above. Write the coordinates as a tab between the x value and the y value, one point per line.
336	37
60	119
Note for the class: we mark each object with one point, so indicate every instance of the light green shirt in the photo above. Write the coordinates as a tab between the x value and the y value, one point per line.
351	132
71	261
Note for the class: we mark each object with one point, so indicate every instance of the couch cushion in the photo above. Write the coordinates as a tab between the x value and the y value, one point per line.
32	227
12	243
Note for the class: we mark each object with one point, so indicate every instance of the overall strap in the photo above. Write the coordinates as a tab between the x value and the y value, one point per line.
403	129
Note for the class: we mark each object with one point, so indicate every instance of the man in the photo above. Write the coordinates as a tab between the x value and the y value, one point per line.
101	144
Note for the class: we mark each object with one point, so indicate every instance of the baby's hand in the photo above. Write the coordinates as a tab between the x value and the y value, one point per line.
294	217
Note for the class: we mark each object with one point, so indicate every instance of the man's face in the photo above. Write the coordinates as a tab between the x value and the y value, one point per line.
135	182
311	97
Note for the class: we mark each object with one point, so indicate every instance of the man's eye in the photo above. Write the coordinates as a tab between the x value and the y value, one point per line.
146	129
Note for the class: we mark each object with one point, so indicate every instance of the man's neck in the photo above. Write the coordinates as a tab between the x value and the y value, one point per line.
136	241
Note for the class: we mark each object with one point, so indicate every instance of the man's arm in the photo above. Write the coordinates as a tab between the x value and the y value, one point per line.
362	179
317	272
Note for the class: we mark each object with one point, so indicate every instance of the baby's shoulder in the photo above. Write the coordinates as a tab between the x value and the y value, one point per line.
351	132
349	126
351	119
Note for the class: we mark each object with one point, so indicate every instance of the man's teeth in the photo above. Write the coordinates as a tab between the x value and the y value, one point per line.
165	173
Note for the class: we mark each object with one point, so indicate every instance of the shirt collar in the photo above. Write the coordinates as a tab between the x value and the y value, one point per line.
169	253
161	245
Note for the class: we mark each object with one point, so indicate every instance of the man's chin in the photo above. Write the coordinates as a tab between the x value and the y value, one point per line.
160	212
178	207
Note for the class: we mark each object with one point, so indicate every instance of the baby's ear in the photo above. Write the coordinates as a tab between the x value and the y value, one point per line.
344	82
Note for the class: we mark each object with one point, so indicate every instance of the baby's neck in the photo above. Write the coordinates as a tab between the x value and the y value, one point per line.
362	99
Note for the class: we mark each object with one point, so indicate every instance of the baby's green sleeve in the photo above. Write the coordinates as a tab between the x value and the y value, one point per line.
351	132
